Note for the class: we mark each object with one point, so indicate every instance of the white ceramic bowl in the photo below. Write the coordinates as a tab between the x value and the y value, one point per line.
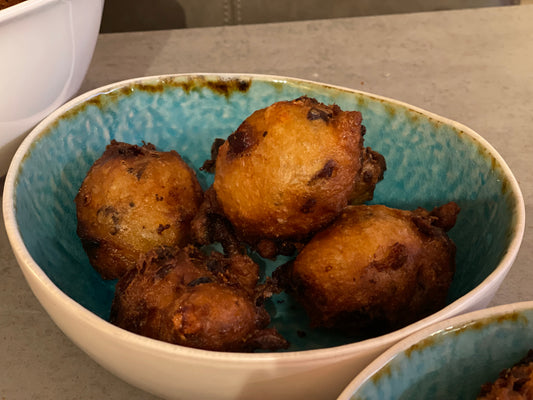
451	359
46	48
431	160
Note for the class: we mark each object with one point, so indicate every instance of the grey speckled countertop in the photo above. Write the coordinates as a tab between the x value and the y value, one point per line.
473	66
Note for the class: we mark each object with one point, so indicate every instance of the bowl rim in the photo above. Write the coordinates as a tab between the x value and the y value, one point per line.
458	323
28	264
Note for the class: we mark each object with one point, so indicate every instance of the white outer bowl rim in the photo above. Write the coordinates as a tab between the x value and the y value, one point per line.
339	352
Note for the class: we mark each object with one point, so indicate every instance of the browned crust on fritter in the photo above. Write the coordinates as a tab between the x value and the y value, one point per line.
133	199
186	298
290	168
375	266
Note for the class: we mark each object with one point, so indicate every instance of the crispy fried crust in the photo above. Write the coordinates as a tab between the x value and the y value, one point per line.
290	168
133	199
186	298
375	266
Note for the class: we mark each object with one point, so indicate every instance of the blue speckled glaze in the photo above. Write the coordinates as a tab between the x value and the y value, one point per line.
429	163
453	363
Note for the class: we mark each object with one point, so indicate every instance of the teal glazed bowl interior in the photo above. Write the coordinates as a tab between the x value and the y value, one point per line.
450	360
430	161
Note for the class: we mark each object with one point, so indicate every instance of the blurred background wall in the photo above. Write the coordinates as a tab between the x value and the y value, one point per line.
135	15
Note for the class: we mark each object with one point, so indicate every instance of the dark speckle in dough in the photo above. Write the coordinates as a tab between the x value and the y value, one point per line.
241	140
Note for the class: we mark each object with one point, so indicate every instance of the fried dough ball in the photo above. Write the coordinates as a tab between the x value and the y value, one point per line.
290	168
186	298
133	199
375	267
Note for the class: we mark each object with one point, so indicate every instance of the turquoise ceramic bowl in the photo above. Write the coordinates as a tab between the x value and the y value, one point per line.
430	160
450	360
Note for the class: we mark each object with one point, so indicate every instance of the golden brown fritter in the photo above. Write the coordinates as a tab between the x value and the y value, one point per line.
290	168
186	298
375	267
133	199
515	383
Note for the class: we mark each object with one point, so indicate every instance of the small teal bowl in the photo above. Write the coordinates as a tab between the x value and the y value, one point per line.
449	360
430	160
